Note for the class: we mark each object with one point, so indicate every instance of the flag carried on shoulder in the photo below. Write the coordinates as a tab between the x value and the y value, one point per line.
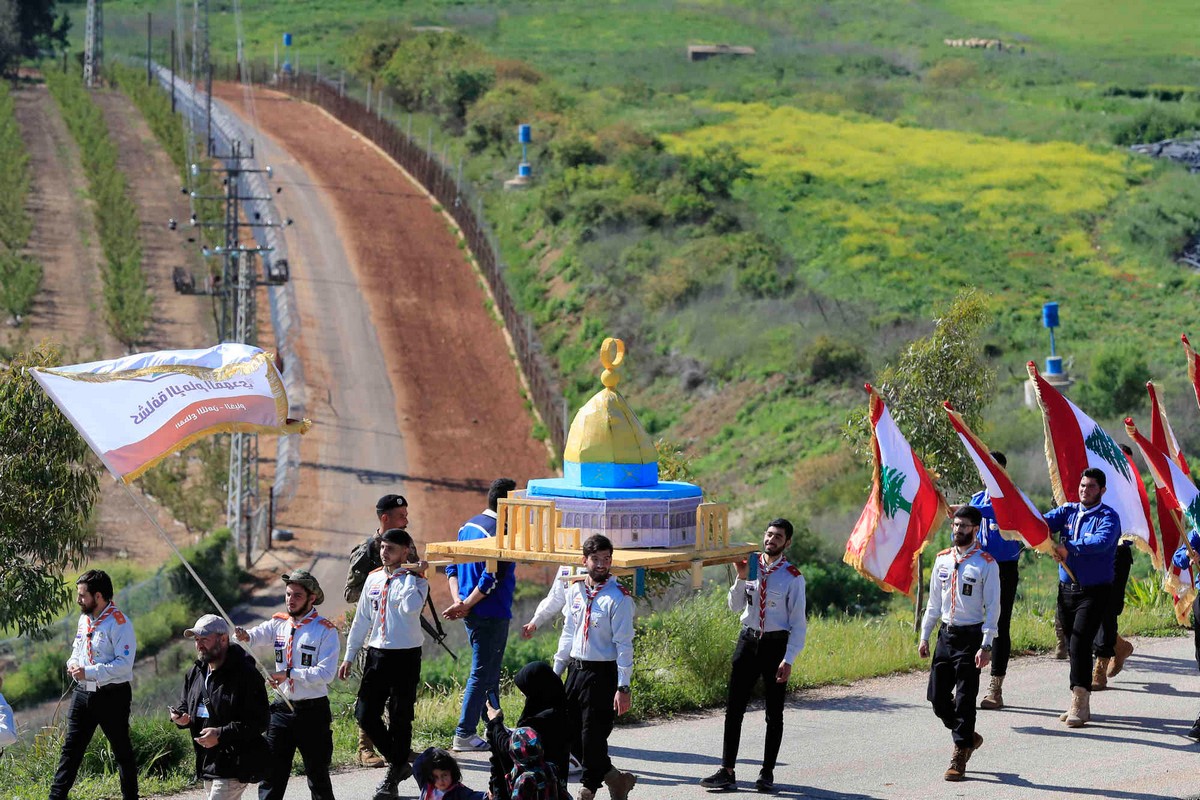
1178	498
1016	515
1163	439
1075	442
903	510
137	410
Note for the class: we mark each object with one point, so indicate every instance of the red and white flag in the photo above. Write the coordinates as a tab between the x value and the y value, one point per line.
1016	515
1178	497
1075	442
1163	439
1193	365
137	410
902	512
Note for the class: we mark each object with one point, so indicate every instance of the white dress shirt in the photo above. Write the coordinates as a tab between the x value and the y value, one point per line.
315	649
964	589
785	609
609	628
113	648
399	612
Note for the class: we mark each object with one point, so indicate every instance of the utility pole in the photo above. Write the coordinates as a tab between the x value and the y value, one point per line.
236	290
93	43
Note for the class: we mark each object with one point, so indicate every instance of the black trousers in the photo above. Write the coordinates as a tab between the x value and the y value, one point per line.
591	687
1010	576
1106	637
108	708
309	730
753	659
390	678
1082	609
954	680
1196	628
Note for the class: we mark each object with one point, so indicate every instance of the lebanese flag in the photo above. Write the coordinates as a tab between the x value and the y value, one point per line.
1193	362
1179	498
901	513
1163	440
1074	442
1016	515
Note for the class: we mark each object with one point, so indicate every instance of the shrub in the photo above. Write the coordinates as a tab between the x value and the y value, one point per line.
951	73
1117	383
1152	125
833	359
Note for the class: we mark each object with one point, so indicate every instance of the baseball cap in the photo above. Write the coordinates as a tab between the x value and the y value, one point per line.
390	501
206	626
306	579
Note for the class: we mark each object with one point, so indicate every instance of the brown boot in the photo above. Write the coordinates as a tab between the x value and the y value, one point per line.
976	743
619	783
1100	675
586	793
1124	650
958	764
367	756
1060	649
995	696
1080	711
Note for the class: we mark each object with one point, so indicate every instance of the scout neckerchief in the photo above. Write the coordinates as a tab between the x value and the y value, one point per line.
972	550
92	626
383	599
287	652
590	594
764	571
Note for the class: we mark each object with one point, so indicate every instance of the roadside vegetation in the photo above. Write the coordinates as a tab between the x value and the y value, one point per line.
127	299
20	275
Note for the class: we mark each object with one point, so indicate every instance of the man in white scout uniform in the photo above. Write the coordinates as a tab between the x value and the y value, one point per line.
964	593
388	621
597	644
102	665
306	658
773	632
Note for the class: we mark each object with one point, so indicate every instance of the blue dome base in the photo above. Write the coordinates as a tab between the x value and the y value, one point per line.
564	487
608	474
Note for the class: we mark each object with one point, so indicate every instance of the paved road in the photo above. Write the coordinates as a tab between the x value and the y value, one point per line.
878	739
355	453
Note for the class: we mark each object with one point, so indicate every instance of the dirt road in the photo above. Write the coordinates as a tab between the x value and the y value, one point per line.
409	377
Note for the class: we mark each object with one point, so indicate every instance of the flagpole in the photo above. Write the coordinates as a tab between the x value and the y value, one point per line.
201	584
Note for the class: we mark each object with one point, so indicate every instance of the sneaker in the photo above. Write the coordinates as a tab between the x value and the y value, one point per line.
721	779
766	781
575	766
472	743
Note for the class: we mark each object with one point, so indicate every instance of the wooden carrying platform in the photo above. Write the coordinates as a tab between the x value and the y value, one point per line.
529	532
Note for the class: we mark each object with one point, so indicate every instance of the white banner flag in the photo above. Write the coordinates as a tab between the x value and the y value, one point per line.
137	410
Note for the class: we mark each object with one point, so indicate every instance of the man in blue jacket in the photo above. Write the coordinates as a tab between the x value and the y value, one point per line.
1088	535
484	604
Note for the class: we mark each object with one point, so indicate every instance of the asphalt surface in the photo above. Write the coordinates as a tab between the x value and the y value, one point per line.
878	739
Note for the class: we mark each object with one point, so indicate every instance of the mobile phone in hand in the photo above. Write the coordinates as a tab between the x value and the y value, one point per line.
493	698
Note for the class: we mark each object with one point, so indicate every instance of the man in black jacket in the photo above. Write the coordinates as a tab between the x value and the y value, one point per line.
224	704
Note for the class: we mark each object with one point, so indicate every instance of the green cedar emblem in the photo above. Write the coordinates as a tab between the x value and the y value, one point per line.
893	499
1102	445
1192	512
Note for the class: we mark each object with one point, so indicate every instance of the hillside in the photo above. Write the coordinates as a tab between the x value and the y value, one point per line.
767	232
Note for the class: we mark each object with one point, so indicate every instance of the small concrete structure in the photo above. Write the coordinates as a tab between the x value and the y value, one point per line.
703	52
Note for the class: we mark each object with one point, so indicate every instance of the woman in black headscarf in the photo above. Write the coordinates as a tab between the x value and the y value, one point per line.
546	712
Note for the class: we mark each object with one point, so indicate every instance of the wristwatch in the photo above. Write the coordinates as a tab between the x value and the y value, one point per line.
624	689
987	648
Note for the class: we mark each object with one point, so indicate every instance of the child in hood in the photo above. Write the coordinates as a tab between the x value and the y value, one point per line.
530	778
440	778
546	713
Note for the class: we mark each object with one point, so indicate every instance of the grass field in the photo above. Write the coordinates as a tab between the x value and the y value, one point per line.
885	171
